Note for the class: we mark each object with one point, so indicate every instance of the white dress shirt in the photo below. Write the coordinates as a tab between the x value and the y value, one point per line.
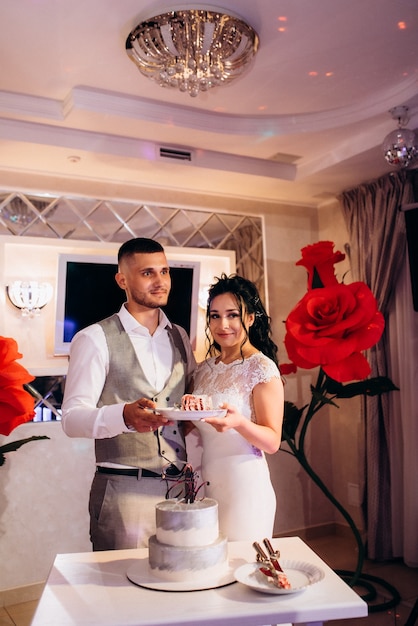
89	366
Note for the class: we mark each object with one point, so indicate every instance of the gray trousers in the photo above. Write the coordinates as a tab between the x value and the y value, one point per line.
122	510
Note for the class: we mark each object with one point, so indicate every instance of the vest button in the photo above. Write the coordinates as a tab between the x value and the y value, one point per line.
167	399
174	432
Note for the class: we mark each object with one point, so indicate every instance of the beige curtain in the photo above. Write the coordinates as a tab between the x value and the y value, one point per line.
378	256
403	423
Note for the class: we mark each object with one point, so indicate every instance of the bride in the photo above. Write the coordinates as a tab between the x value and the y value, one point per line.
241	375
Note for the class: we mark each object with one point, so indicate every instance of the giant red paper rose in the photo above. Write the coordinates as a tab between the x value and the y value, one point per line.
333	323
16	404
330	328
319	259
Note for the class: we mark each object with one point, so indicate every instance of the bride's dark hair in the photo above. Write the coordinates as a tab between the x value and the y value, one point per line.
249	301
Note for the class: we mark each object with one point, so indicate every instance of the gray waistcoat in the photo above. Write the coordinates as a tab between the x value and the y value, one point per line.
126	382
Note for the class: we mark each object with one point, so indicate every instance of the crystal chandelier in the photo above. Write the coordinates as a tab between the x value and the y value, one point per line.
400	147
192	50
29	296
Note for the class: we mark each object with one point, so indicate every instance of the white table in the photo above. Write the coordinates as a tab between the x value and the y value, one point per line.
93	589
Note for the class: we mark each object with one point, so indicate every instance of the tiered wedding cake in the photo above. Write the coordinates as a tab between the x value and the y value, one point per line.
187	545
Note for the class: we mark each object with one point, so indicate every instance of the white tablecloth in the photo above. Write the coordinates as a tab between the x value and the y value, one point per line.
93	589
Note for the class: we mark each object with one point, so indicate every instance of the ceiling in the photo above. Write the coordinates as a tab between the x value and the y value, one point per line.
305	122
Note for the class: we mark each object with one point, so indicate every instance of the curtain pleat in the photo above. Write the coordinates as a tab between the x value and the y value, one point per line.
248	245
376	228
403	366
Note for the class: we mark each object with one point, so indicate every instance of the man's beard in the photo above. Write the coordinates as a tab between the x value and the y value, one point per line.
147	301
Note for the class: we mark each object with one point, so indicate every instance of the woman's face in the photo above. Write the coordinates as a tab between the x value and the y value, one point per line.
225	321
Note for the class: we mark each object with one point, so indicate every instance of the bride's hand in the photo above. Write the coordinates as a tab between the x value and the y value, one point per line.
232	419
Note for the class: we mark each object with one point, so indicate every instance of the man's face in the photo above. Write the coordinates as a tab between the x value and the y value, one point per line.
145	279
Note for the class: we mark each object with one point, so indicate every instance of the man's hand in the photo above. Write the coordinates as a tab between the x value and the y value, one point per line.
140	416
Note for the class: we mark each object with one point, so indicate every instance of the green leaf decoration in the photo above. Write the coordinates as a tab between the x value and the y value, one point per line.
369	387
322	399
15	445
291	419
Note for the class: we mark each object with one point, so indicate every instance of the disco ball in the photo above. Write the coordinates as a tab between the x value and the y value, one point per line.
400	147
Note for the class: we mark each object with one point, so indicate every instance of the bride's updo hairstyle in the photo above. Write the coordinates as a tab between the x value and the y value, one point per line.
248	301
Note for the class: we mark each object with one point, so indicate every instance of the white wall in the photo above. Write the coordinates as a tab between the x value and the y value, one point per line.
44	487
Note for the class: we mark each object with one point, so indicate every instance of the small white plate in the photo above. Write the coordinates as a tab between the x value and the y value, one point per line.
140	574
300	575
177	414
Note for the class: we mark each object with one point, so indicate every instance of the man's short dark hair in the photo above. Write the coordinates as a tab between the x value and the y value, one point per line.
141	245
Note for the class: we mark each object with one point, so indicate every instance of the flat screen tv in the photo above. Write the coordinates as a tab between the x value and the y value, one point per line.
87	293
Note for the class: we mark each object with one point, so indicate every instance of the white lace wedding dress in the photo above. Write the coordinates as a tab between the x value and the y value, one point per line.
237	472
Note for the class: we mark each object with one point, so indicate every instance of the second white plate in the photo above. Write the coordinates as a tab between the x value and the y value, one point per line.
177	414
300	574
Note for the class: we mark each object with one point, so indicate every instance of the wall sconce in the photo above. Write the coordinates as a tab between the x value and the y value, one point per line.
203	296
29	296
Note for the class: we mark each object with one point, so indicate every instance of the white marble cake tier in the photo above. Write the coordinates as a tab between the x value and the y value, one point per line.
184	564
184	524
